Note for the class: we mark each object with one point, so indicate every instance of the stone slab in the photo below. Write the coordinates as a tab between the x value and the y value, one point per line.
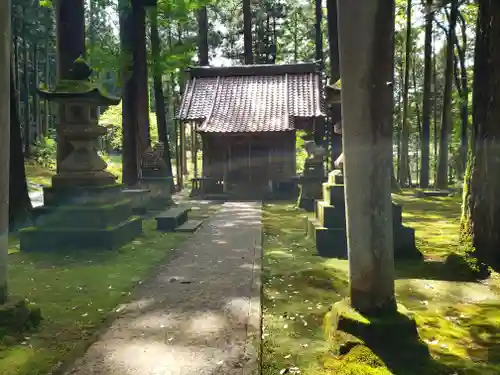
169	220
189	226
60	239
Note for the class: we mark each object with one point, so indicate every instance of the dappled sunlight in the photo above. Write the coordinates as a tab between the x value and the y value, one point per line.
141	356
459	320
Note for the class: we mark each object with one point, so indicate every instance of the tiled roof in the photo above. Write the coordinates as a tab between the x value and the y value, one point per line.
253	98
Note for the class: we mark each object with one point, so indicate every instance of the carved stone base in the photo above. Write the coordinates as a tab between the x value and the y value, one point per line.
79	179
59	195
160	192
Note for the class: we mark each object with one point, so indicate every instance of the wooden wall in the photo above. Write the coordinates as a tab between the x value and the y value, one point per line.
272	156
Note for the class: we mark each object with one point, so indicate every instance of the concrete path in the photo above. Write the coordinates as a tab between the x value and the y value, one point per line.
200	315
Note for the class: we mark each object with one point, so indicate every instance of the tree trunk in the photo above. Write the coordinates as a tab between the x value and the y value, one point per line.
446	120
404	172
130	167
70	30
5	63
203	56
141	69
435	113
333	47
481	214
161	116
318	30
366	64
16	61
46	105
35	98
26	88
464	100
333	40
426	105
19	201
247	32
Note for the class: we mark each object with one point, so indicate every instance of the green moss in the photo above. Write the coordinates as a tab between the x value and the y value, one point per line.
458	320
75	292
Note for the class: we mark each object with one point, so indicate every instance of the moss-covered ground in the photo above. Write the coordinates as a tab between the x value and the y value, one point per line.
77	294
459	321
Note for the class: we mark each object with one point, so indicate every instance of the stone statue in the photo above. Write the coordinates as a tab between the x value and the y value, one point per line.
314	152
152	161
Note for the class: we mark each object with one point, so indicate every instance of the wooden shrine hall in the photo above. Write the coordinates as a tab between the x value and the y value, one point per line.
247	117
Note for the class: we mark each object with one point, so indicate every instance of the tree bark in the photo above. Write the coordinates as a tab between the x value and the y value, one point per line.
426	105
36	99
333	40
161	116
26	89
19	200
318	30
333	47
366	65
481	213
404	172
446	120
5	63
464	99
141	67
70	30
203	56
247	32
46	105
130	167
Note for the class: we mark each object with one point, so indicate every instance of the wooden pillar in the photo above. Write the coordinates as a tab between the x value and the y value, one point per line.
250	158
366	29
178	152
194	150
205	161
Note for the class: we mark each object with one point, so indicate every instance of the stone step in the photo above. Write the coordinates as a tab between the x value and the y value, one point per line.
62	239
332	242
333	194
336	177
174	217
330	216
189	226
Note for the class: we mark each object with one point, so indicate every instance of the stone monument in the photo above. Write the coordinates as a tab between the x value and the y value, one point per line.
84	206
312	177
154	177
328	226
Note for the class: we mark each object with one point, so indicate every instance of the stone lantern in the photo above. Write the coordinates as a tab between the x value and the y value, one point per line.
84	207
78	125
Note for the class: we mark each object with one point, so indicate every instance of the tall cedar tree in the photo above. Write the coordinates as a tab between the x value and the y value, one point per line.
19	200
161	116
247	32
5	62
481	206
446	120
426	105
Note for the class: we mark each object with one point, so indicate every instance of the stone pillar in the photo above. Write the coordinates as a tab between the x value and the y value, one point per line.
70	37
366	66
